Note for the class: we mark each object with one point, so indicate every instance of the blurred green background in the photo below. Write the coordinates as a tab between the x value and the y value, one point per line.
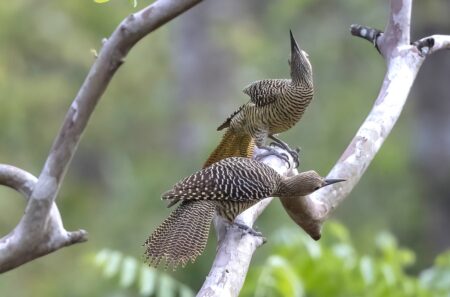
156	124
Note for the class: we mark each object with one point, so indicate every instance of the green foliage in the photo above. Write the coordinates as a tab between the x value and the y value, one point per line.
129	271
300	266
437	278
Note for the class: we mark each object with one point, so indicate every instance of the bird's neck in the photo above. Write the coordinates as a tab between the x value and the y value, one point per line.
289	186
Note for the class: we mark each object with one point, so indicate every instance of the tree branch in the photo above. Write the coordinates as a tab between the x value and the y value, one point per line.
403	61
40	231
17	179
236	247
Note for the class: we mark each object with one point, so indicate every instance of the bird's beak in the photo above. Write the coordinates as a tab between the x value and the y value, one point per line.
328	182
294	45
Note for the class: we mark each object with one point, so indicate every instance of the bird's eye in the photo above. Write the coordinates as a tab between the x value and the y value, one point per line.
316	188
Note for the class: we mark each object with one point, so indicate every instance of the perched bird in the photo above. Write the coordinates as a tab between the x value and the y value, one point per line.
228	187
275	106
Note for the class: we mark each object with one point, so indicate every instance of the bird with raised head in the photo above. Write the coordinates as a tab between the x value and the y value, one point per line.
275	106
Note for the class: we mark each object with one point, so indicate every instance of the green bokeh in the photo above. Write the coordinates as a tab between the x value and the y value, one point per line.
148	131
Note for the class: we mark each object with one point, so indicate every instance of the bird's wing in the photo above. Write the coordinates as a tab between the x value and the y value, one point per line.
264	92
198	186
235	179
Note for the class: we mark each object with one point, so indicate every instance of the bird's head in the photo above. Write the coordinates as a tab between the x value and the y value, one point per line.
307	182
301	70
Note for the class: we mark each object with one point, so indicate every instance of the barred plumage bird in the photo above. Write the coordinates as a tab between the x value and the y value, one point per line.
228	187
275	106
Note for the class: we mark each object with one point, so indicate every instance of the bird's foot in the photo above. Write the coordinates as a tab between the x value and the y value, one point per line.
247	229
283	145
270	151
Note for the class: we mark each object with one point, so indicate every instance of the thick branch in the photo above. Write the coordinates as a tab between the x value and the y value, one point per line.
403	64
40	230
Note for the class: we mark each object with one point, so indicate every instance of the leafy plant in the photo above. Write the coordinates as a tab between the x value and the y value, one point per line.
129	271
300	266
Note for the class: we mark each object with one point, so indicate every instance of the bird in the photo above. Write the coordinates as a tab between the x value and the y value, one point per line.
275	106
227	187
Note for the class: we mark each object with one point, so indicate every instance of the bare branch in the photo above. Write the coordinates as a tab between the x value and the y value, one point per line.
403	63
40	230
397	31
12	244
236	247
17	179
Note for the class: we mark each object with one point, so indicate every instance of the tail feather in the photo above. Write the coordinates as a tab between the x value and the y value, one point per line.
227	122
232	145
182	236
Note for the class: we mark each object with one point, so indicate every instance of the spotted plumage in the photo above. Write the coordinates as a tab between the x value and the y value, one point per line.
228	187
235	179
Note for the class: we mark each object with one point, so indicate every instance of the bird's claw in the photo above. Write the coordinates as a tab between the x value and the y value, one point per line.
273	152
294	153
283	145
247	229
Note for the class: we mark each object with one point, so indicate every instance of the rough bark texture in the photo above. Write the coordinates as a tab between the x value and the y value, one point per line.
403	62
40	230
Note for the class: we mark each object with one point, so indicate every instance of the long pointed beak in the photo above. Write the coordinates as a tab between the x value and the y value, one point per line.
328	182
294	45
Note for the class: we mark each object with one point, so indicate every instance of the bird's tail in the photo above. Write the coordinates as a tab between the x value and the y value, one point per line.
232	145
182	236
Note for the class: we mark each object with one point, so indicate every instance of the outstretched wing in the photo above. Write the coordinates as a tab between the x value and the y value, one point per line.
264	92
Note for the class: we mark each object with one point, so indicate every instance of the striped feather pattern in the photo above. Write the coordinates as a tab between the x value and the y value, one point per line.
275	106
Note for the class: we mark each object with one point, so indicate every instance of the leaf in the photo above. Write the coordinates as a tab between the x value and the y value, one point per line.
280	276
338	230
345	252
185	291
388	274
443	259
313	248
101	257
385	241
101	1
166	286
129	272
367	270
147	281
113	264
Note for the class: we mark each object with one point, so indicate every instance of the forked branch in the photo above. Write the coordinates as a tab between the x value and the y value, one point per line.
40	230
403	62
